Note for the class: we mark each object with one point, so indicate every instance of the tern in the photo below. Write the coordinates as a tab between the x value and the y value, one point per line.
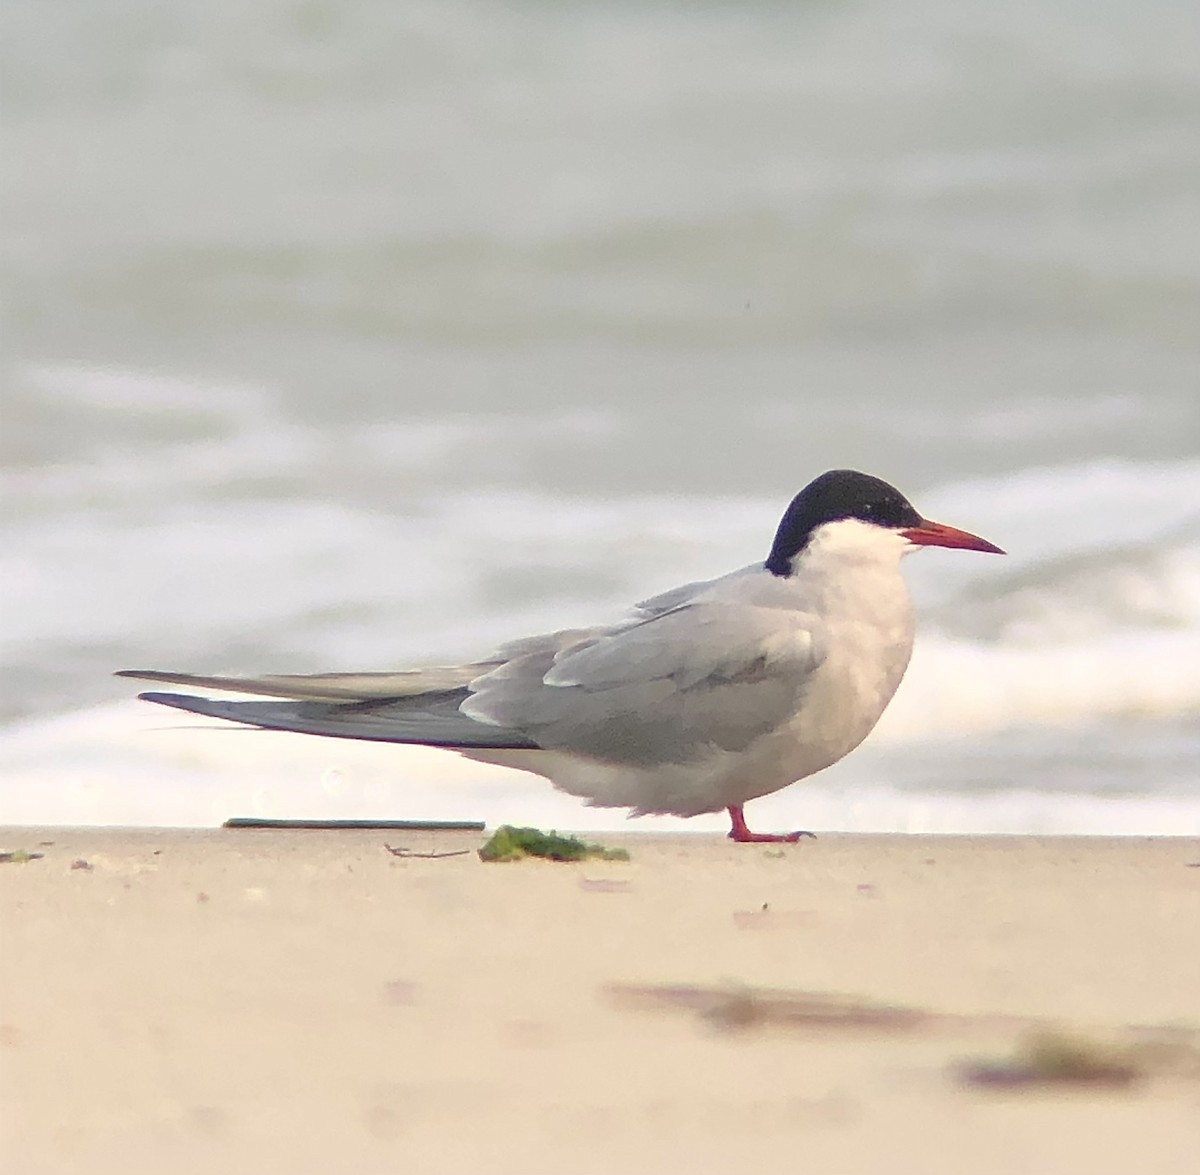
703	698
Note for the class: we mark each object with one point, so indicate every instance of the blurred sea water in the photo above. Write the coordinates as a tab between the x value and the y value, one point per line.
356	335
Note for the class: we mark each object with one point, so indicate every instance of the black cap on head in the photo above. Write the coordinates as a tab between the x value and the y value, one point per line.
840	493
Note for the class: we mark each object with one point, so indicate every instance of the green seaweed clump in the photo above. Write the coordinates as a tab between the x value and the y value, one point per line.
514	844
19	857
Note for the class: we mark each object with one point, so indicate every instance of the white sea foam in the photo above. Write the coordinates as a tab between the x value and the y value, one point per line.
125	764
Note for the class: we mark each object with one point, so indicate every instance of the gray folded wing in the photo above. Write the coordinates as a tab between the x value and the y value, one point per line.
672	686
669	689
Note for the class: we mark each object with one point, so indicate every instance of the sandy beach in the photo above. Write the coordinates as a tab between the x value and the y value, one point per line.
274	1001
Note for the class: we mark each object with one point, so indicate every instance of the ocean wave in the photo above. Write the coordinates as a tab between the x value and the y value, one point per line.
955	688
1076	597
1094	614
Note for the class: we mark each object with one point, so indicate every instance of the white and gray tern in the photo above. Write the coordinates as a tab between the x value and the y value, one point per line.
703	698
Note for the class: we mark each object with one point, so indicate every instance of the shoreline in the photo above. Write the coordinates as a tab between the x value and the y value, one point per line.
211	1000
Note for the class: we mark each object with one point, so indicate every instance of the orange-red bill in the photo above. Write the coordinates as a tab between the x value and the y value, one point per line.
937	534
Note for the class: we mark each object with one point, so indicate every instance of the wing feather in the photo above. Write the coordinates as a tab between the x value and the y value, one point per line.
432	720
666	689
326	686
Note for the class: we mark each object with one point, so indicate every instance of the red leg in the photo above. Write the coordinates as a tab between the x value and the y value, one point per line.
740	833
